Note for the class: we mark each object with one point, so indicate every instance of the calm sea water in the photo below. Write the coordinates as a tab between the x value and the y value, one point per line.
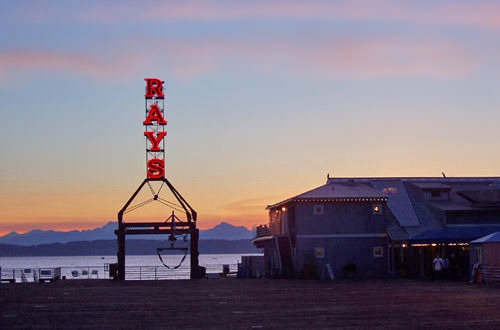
76	266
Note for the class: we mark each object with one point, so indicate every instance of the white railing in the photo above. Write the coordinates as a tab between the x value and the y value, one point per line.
22	275
490	274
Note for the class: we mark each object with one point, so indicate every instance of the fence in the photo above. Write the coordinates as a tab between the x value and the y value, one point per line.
490	274
23	275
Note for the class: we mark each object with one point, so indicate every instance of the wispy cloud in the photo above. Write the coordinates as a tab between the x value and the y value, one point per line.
480	14
340	58
249	204
326	58
29	62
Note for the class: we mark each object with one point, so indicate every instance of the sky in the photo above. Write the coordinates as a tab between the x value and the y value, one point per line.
263	100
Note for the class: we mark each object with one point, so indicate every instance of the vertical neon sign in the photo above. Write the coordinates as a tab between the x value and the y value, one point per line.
154	126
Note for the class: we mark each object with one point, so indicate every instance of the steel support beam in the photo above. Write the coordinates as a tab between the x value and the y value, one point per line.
155	228
195	269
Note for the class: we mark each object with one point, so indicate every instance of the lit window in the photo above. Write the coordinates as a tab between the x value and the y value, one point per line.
376	209
319	252
318	210
378	252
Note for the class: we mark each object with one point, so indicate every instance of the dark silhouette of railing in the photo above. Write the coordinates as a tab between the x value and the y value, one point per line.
140	273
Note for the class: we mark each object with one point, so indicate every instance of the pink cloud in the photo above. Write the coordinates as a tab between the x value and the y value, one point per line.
326	58
23	63
334	58
480	14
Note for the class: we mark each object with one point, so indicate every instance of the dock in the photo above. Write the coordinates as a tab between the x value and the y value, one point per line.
231	303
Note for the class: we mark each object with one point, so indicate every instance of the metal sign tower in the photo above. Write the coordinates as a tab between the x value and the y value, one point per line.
154	130
173	226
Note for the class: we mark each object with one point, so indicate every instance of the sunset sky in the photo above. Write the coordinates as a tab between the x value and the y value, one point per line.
264	98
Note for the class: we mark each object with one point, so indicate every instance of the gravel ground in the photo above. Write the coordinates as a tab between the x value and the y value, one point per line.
249	304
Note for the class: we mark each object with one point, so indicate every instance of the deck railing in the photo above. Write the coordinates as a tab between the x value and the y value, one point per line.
23	275
490	274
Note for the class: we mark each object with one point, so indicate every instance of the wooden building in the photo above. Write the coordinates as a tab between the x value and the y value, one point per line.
334	230
371	227
485	258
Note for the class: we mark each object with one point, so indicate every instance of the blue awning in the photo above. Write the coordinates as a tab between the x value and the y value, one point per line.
452	235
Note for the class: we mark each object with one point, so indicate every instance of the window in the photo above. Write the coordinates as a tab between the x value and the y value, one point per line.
435	194
318	210
376	209
319	252
378	252
478	255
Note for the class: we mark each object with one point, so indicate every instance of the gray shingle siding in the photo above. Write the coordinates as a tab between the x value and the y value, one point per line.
339	218
340	251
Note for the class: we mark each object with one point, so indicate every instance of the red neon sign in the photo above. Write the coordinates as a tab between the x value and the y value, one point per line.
155	131
154	114
155	141
156	168
154	86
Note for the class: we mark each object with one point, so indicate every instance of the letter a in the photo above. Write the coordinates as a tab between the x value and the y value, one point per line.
156	168
155	141
154	86
154	114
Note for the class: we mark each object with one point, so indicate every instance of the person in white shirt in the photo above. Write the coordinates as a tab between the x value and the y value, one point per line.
437	266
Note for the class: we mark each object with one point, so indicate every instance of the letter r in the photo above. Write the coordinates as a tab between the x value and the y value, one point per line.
154	86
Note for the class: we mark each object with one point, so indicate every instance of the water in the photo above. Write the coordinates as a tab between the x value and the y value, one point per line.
138	267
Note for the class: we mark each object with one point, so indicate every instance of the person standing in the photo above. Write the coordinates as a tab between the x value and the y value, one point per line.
437	266
453	267
445	268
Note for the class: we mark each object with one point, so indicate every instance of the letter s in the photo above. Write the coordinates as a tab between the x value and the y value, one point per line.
156	168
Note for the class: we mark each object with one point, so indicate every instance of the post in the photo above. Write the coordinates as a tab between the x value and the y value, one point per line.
393	264
195	272
121	252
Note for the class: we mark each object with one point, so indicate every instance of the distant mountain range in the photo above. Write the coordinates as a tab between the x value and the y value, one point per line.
223	231
134	247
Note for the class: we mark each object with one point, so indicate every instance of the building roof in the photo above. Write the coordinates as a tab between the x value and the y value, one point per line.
488	196
431	185
450	206
333	191
413	216
485	180
399	202
396	232
342	190
491	238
